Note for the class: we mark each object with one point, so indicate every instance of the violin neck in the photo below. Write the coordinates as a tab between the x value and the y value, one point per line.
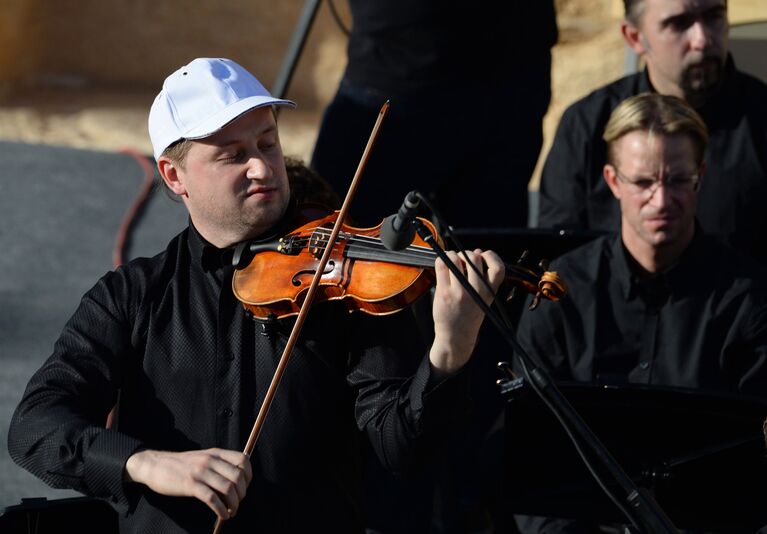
412	256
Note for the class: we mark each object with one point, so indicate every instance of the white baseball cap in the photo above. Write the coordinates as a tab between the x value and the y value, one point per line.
201	98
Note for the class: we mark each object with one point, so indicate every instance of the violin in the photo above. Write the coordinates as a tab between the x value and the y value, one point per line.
361	272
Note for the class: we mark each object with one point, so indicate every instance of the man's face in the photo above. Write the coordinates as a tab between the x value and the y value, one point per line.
662	215
234	182
685	45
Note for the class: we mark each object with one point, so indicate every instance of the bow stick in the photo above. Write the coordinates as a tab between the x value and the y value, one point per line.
282	364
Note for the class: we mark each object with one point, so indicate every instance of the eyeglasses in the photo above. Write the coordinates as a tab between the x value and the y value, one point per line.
676	183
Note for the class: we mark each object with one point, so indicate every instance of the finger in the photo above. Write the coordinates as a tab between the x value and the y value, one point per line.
490	265
225	479
236	467
458	261
496	269
442	273
486	274
476	275
207	495
225	488
229	480
247	470
233	457
455	286
475	256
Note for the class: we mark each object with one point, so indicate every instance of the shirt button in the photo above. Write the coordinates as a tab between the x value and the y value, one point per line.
644	365
228	413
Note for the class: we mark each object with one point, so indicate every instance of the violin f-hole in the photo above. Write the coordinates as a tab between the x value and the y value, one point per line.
331	265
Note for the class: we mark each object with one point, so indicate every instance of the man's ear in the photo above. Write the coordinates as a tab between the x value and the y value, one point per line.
611	178
633	38
170	175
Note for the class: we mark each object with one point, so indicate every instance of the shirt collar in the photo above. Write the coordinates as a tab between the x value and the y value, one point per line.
207	255
676	279
621	268
684	275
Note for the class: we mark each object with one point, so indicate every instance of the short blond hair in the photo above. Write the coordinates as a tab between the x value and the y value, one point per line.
656	114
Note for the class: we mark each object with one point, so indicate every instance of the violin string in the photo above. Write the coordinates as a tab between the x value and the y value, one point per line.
373	243
402	257
417	250
374	249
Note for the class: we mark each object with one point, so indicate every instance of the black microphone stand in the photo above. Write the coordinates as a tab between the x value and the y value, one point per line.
638	505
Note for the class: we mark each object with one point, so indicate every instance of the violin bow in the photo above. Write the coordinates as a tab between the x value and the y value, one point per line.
282	364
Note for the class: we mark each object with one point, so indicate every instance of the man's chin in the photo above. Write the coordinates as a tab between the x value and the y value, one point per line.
659	235
258	221
661	239
701	82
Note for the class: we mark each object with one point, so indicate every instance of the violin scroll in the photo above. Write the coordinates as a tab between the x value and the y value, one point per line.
537	280
550	287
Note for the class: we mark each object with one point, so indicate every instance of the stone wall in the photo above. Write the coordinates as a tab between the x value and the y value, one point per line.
134	44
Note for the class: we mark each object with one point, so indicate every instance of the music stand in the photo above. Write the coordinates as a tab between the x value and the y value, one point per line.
701	454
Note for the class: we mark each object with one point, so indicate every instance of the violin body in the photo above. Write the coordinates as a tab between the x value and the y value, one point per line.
360	272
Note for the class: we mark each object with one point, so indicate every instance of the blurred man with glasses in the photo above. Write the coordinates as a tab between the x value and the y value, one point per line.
659	303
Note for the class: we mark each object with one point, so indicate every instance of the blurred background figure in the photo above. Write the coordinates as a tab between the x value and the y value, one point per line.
469	86
685	49
308	188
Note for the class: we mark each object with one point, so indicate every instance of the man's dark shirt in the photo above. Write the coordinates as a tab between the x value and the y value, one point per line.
702	324
192	371
573	192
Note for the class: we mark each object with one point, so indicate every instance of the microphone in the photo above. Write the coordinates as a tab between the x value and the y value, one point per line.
398	231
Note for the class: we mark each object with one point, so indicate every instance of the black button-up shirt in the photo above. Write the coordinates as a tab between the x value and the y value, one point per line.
701	324
192	371
573	192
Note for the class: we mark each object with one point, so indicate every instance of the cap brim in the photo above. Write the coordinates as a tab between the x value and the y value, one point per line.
216	122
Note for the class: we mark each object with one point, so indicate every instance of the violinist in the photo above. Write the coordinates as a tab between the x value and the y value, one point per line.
660	302
192	369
